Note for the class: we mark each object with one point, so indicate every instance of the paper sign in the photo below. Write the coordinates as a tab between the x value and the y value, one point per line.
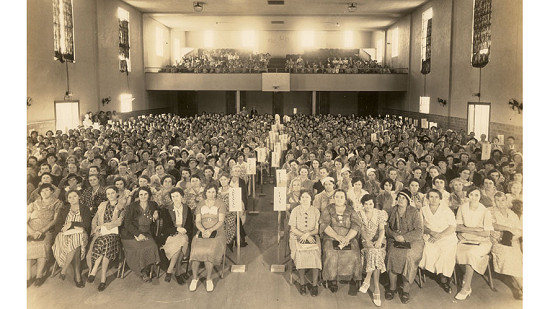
485	151
274	127
373	137
277	119
284	139
235	199
262	155
96	125
278	149
424	123
415	122
274	159
501	139
251	166
294	111
281	178
432	124
279	199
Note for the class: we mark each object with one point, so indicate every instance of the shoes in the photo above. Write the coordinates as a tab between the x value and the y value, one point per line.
333	286
364	287
79	284
91	278
180	279
168	277
463	294
376	299
447	287
209	286
314	291
39	281
243	243
352	288
145	277
303	289
405	297
62	277
193	285
389	294
101	287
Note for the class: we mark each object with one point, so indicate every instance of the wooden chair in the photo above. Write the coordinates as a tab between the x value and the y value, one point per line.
421	277
121	268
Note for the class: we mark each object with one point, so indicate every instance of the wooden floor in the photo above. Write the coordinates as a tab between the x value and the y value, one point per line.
256	288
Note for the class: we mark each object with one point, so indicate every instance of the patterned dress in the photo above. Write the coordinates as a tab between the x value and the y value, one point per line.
108	245
69	240
41	215
373	258
230	220
91	200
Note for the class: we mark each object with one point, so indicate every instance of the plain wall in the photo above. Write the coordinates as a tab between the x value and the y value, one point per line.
403	46
279	43
95	74
211	101
263	101
344	103
150	56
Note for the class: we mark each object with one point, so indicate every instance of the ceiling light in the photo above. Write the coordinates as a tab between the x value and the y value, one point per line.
352	7
198	6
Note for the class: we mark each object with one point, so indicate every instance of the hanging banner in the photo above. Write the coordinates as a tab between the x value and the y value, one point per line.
281	178
235	199
251	166
279	199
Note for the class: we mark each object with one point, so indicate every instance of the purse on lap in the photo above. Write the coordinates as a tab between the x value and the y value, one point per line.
336	245
402	244
212	235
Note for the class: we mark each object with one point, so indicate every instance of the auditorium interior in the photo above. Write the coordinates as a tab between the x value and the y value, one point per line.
450	64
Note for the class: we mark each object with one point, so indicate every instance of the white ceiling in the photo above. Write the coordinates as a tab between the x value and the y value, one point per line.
257	14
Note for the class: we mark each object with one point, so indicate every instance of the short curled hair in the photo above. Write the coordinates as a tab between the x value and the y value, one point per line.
367	197
176	189
387	180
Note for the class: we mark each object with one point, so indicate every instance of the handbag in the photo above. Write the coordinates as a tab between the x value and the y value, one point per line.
506	238
402	244
212	235
336	245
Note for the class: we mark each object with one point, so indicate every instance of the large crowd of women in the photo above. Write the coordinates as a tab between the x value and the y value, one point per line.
365	196
221	61
334	65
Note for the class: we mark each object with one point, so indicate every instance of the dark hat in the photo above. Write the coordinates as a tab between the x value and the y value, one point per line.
73	175
406	193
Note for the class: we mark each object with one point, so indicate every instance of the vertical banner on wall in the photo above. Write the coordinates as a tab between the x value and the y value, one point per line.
481	34
279	199
415	122
235	199
424	123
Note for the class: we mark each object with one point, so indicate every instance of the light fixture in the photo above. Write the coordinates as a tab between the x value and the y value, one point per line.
198	6
352	7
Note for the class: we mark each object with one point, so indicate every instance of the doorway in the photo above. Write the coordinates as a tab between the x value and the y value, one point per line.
479	117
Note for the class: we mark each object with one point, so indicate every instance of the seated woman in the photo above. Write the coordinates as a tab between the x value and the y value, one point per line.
488	191
304	242
137	235
474	224
293	196
458	196
439	239
93	195
230	220
374	244
173	238
194	194
41	217
506	250
417	197
340	224
386	199
405	244
124	195
208	244
105	244
73	226
163	198
356	192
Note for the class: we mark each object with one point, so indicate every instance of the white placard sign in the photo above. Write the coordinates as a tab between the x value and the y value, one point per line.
281	178
273	127
415	122
235	199
96	125
424	123
262	155
485	151
274	159
501	139
373	137
279	199
432	124
251	166
277	119
277	148
284	139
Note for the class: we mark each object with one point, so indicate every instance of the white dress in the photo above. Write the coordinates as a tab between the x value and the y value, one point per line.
439	257
476	256
507	260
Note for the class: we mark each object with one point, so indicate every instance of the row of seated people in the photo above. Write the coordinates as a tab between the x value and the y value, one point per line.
221	61
207	145
348	65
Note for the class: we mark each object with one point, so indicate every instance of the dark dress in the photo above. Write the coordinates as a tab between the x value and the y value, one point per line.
344	263
405	261
140	254
91	200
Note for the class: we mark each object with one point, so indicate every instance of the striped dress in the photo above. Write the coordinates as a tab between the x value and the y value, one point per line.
69	240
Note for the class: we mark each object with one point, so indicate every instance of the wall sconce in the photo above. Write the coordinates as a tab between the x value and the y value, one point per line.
29	100
442	102
515	104
106	100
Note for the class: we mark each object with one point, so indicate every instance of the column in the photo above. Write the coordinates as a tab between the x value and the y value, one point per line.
313	102
238	101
